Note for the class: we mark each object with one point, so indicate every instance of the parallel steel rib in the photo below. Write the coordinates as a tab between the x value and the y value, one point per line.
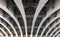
38	9
14	18
54	31
49	24
7	29
57	7
51	28
9	24
1	16
21	8
50	12
4	32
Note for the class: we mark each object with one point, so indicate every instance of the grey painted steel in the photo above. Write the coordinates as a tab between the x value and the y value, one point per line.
9	24
21	8
57	7
4	32
49	24
49	12
1	16
39	8
12	15
51	28
54	31
7	29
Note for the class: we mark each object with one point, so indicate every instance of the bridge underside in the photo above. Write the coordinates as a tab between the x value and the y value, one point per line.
29	18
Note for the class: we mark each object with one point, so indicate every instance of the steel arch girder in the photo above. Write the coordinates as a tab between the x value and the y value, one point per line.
51	28
21	8
4	32
1	16
52	11
7	29
12	15
49	24
39	8
49	12
54	31
9	24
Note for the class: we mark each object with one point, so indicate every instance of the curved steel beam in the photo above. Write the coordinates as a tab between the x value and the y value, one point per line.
7	29
49	12
38	10
54	31
21	8
9	24
51	28
12	15
1	16
4	32
52	20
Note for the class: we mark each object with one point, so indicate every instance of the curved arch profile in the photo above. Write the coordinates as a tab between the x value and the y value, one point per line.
51	28
38	9
49	12
12	15
9	24
4	32
21	8
54	31
49	24
7	29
